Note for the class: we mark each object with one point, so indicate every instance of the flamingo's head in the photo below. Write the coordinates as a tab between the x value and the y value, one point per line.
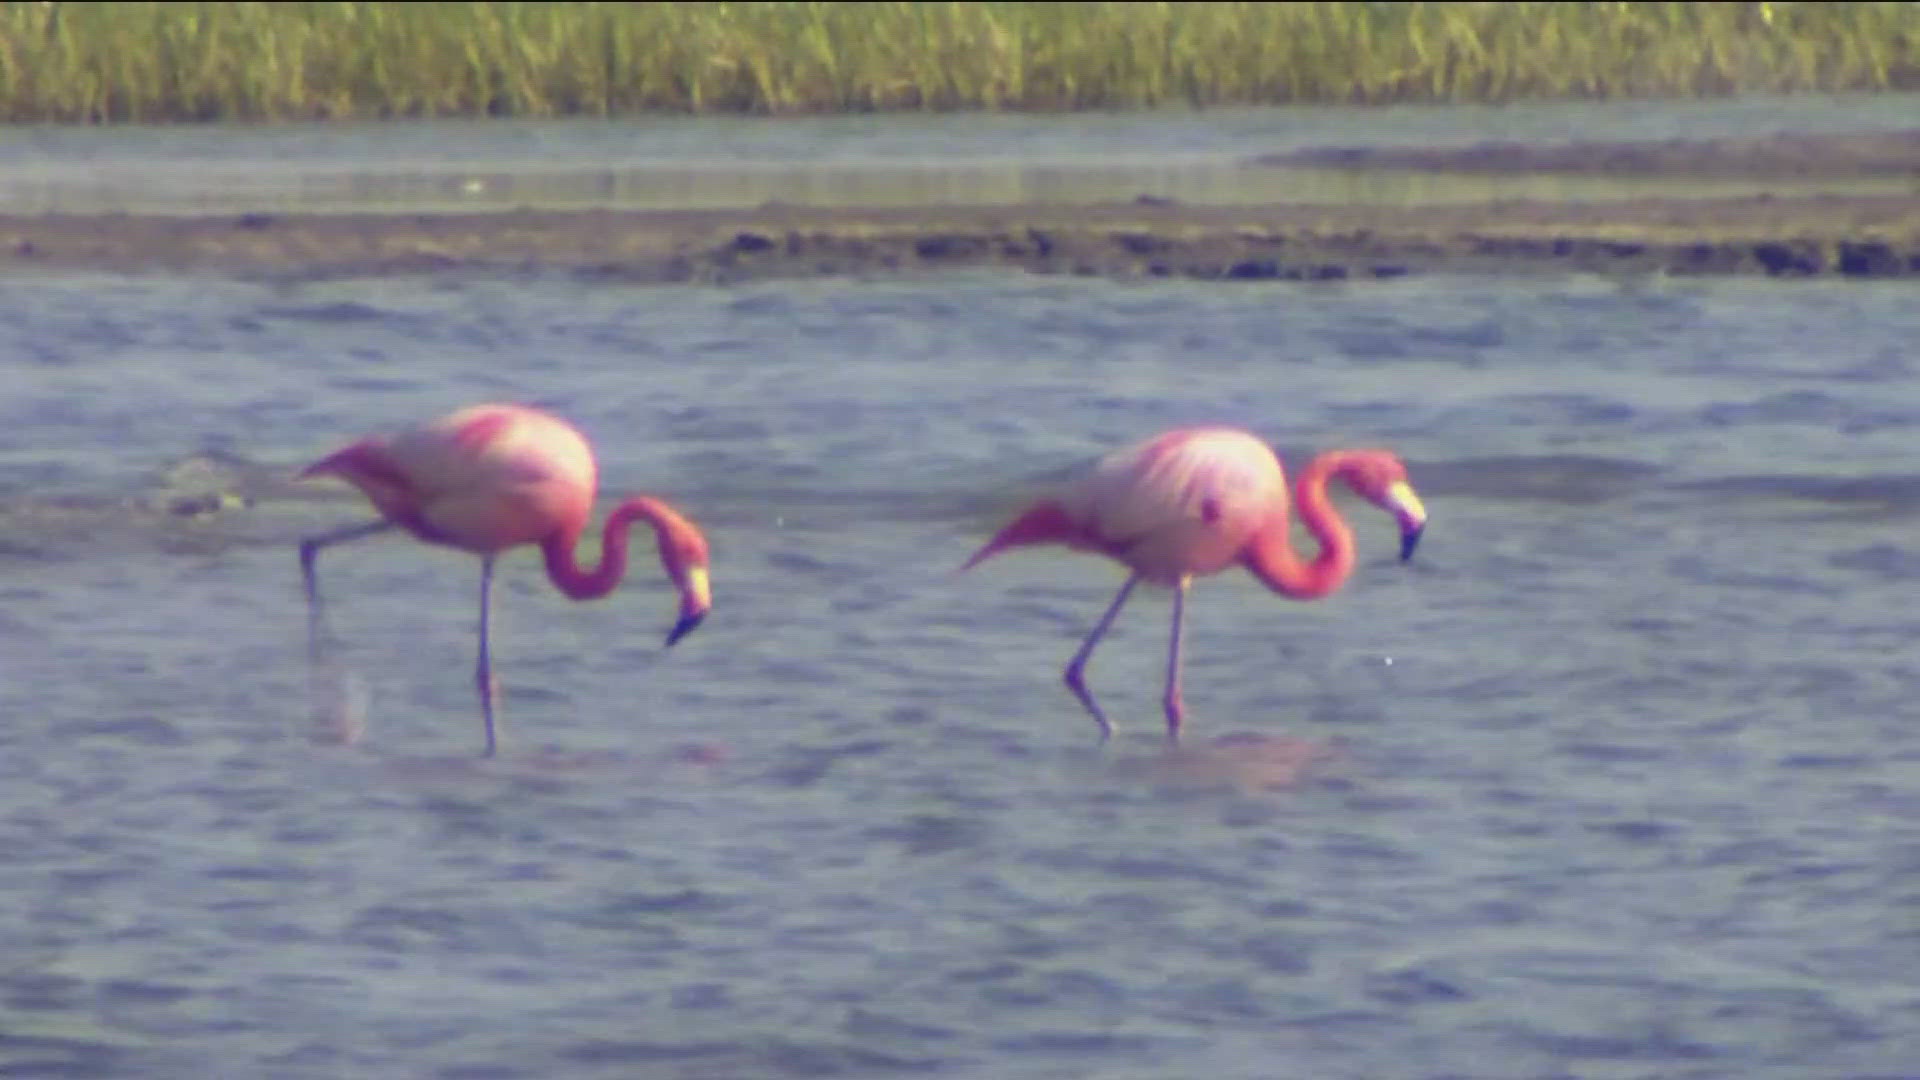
1380	477
683	555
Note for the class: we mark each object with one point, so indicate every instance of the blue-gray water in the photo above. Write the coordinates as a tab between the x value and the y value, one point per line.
1621	774
1635	795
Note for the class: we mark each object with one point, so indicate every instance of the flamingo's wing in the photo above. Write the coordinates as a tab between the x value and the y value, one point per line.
1184	502
486	479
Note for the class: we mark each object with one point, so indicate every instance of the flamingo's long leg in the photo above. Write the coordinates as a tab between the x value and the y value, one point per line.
309	555
483	671
1076	668
1176	709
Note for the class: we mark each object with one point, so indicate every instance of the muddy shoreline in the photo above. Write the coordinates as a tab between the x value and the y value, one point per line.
1858	236
1799	235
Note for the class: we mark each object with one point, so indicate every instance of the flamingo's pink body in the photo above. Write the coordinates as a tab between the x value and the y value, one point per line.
1196	501
493	477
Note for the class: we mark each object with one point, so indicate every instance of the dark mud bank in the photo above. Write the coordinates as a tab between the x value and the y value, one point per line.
1860	236
1779	156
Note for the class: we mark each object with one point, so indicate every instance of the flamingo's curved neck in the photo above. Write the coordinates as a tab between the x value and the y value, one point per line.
582	584
1271	558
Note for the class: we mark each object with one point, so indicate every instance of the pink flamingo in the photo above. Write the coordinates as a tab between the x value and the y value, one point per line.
1196	501
492	477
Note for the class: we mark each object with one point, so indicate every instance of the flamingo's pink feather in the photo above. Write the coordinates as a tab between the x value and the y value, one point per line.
1184	503
483	479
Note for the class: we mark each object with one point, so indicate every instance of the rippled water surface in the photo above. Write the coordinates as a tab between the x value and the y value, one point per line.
1616	779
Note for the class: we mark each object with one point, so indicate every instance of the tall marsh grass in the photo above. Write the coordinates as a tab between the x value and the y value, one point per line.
200	61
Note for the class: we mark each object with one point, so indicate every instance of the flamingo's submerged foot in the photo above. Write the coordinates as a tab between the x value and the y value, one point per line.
491	694
1242	760
339	699
698	754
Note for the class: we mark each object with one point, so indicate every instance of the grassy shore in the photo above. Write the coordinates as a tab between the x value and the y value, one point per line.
96	62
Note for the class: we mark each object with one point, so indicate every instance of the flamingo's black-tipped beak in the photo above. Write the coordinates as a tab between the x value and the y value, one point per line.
696	599
688	620
1410	539
1411	513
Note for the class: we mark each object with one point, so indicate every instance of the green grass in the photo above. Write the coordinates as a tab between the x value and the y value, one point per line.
94	62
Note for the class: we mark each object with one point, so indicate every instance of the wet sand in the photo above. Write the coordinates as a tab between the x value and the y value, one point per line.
1856	235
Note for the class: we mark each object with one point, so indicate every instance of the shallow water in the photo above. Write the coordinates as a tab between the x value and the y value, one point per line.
1617	778
1203	158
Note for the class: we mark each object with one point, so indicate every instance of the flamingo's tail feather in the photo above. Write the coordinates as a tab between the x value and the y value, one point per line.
1042	523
